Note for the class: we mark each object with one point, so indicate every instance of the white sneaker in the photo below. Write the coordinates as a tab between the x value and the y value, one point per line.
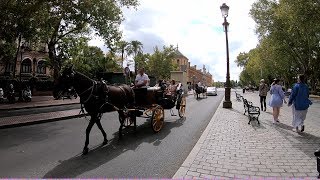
295	130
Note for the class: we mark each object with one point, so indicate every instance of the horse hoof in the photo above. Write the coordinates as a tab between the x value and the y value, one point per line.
105	142
85	151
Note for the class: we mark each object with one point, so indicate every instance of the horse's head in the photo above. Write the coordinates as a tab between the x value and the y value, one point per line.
64	82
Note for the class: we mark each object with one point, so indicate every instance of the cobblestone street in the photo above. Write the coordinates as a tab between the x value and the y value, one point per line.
230	148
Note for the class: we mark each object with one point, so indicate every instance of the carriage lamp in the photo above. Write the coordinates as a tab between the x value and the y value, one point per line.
227	102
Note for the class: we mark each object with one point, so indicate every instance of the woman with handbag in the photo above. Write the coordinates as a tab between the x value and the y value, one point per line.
277	99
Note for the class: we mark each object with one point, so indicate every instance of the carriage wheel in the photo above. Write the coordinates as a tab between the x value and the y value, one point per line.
182	108
157	119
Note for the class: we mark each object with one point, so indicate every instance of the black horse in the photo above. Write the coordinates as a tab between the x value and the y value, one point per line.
97	98
200	90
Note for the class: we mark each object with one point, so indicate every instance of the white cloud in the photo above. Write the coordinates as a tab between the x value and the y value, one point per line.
197	27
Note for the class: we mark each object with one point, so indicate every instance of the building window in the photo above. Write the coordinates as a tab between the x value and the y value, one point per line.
178	61
9	67
41	68
26	66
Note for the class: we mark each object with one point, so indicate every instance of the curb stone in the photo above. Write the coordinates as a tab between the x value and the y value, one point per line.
182	171
37	106
41	121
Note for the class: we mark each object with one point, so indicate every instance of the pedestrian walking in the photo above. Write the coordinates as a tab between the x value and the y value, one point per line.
299	98
263	90
277	99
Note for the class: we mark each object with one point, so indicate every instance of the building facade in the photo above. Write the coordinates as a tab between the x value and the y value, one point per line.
30	63
193	75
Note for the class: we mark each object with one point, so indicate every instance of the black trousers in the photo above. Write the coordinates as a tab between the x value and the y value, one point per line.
263	102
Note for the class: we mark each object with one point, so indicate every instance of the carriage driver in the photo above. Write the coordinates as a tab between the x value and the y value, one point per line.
142	79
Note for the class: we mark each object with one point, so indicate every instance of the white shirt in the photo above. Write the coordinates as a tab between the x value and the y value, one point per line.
199	83
142	78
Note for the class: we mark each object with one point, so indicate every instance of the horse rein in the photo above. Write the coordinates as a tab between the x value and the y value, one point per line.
92	88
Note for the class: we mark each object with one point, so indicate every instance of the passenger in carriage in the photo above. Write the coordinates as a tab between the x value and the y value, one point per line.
142	80
172	88
161	84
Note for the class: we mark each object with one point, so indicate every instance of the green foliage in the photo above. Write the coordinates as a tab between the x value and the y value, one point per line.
122	48
135	47
52	21
87	59
242	59
19	20
160	63
141	60
288	42
218	84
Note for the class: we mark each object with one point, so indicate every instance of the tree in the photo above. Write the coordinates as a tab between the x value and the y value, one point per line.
60	20
122	47
18	23
141	60
135	47
87	59
160	62
242	59
290	30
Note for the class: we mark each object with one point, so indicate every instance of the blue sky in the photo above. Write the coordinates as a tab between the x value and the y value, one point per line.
196	26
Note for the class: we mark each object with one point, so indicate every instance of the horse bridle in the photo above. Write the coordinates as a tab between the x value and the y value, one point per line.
92	88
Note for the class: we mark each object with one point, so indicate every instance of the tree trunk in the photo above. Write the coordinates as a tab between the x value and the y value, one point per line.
16	56
56	64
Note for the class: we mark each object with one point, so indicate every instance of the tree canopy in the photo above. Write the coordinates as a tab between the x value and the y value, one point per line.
53	20
288	42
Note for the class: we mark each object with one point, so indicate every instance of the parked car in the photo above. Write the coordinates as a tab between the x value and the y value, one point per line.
212	91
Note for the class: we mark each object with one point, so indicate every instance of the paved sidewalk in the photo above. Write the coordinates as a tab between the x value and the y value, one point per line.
16	121
230	148
38	101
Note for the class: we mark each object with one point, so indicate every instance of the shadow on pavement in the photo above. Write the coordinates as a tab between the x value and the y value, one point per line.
99	155
302	141
254	124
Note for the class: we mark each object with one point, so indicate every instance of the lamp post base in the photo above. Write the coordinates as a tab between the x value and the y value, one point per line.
227	104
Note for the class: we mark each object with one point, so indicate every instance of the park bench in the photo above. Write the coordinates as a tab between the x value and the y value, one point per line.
238	96
253	111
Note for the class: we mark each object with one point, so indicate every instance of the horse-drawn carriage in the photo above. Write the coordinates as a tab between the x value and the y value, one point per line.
97	98
151	103
200	90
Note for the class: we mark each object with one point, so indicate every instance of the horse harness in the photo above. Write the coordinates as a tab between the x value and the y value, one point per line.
105	90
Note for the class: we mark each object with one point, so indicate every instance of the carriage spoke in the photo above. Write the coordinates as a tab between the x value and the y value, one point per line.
157	119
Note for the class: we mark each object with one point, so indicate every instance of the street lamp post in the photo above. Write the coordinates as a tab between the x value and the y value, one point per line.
227	102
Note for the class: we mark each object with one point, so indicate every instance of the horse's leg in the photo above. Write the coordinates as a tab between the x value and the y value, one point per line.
105	140
91	123
121	120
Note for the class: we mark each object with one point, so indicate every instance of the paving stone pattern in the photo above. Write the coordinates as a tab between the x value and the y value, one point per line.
230	148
